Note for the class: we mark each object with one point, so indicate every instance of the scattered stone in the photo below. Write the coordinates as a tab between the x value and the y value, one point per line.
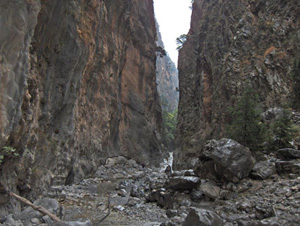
171	213
264	210
119	208
133	163
177	173
288	153
263	170
226	195
269	222
47	220
231	186
244	186
202	217
28	213
190	173
168	223
287	167
289	193
73	223
142	196
210	189
181	183
122	193
137	191
163	198
35	221
181	199
196	195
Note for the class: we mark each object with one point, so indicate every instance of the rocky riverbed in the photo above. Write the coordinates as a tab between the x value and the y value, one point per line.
123	192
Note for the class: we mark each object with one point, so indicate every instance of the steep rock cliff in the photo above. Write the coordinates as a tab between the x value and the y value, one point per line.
166	78
77	85
232	44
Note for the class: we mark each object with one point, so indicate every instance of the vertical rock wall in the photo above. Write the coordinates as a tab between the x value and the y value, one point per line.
232	44
166	78
77	85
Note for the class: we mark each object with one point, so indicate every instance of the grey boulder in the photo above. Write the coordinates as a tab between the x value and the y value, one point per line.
232	160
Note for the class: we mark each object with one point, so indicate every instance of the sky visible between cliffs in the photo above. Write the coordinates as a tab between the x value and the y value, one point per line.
173	17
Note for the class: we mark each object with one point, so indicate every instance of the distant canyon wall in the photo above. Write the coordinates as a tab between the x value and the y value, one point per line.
166	78
77	85
230	45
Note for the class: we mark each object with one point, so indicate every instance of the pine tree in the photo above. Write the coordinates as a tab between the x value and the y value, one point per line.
284	130
246	127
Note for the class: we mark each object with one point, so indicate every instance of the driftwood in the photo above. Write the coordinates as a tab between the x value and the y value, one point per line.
38	208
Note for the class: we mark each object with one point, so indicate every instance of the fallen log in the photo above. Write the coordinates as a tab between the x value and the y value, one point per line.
38	208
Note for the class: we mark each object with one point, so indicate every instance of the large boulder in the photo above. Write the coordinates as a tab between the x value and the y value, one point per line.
232	160
202	217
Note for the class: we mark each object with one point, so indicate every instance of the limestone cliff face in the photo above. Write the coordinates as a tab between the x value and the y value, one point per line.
231	44
77	85
166	78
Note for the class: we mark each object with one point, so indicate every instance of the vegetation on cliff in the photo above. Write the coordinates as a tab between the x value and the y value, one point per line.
283	131
245	125
169	127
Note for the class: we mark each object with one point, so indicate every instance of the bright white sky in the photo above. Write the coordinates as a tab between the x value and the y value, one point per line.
173	17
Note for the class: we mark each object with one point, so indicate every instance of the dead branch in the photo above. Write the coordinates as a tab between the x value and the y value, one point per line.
38	208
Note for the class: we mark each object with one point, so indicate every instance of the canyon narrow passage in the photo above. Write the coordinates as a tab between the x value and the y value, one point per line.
149	112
